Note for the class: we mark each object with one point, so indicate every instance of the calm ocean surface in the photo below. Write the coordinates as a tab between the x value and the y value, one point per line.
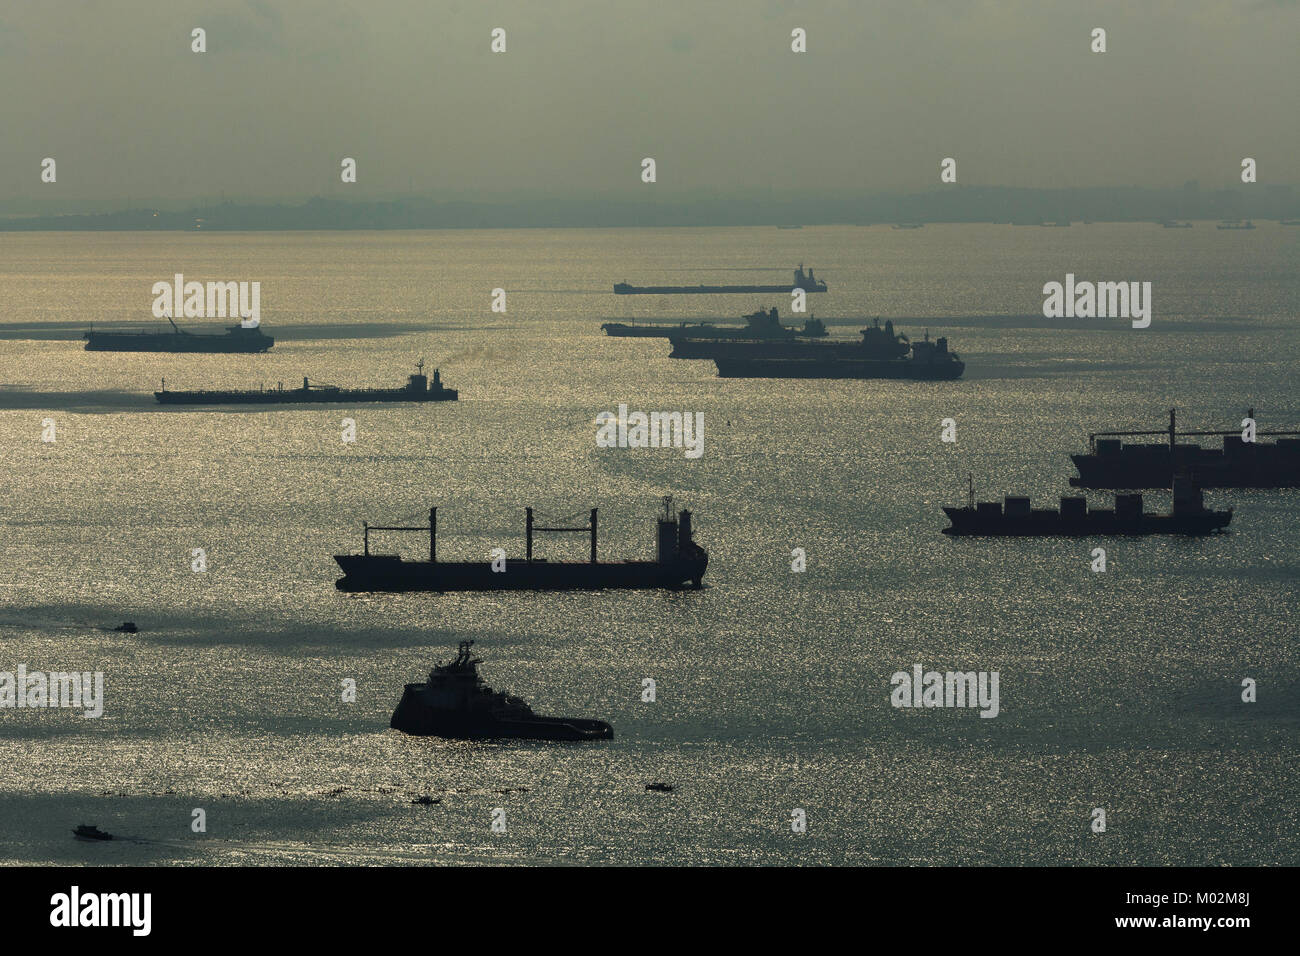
1118	690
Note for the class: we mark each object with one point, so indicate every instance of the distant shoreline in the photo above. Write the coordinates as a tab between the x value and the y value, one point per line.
964	205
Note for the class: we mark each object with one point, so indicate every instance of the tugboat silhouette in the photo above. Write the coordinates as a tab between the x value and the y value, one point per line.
455	702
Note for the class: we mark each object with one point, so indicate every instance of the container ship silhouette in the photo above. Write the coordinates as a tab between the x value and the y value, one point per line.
417	389
1014	517
679	563
806	281
236	338
758	325
455	702
1111	463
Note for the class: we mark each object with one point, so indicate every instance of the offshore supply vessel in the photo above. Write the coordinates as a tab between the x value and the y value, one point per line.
454	702
928	361
805	281
417	389
1014	517
763	324
236	338
679	562
876	343
1111	463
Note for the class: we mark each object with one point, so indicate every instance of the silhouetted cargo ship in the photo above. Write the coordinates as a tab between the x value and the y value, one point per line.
808	282
876	343
1111	463
236	338
678	563
1015	518
929	361
455	702
758	325
417	389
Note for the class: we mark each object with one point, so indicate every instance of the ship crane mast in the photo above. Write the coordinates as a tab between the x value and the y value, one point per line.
530	527
1172	432
323	386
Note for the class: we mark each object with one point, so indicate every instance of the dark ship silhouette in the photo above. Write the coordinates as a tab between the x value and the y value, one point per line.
454	702
927	361
806	281
236	338
1111	463
1075	518
417	389
876	343
678	563
83	831
758	325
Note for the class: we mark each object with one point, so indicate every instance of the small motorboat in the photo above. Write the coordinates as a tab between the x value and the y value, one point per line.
84	832
660	787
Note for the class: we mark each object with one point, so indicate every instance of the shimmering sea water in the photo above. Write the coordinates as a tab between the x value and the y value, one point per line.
1119	691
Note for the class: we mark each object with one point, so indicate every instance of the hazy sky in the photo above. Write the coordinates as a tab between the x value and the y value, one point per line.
709	88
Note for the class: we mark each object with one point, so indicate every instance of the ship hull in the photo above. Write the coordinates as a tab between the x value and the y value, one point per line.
299	397
1051	524
781	350
623	289
391	573
414	717
135	342
622	330
1267	468
855	369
